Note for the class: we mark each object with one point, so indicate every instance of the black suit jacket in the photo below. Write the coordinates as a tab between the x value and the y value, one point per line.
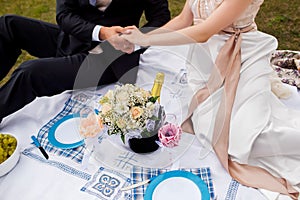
77	19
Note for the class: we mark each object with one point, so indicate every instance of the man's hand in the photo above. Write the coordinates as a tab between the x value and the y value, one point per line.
106	32
112	35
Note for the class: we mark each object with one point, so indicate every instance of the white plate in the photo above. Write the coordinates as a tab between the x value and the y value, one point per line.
177	185
64	133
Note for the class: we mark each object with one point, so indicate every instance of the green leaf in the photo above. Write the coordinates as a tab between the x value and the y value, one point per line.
103	100
123	138
153	99
145	134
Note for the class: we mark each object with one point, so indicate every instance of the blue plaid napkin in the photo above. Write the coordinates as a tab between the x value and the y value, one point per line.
139	174
74	104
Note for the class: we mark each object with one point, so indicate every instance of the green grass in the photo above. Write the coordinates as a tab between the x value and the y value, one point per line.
277	17
281	18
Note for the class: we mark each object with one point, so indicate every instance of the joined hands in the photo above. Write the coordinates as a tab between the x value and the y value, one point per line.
124	38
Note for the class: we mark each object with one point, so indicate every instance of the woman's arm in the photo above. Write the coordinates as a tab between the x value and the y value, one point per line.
222	17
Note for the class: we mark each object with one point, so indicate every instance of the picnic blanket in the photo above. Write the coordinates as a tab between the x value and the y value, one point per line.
64	166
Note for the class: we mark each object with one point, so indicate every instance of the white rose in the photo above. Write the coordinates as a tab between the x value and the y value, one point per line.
121	123
121	108
279	89
122	96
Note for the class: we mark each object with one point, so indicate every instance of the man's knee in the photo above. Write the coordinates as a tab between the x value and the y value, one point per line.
28	73
7	19
8	24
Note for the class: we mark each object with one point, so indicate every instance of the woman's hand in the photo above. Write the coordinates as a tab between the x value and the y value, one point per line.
112	35
133	35
121	44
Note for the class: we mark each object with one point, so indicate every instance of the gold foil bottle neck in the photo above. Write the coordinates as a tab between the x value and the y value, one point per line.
157	85
159	78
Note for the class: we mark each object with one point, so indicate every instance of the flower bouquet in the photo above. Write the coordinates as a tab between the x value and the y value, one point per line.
132	113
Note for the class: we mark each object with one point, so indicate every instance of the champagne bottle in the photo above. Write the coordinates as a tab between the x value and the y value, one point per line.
157	85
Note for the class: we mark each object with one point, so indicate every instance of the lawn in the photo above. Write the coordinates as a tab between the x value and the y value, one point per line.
277	17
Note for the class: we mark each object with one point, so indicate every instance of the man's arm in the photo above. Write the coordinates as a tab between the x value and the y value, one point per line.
69	19
157	13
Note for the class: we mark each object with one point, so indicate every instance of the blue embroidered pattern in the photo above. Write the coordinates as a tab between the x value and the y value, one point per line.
232	190
125	160
107	185
59	165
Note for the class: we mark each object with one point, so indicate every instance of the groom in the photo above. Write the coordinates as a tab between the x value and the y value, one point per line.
61	49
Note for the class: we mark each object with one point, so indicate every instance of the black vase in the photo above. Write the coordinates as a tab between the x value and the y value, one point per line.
144	145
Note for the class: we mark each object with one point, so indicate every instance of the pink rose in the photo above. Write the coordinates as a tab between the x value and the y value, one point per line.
170	134
90	126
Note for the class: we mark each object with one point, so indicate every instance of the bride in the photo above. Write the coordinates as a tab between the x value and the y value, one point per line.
255	137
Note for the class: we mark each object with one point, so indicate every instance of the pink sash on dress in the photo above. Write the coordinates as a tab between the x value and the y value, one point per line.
227	72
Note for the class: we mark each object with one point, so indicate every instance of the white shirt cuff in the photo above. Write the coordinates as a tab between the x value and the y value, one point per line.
96	31
93	2
136	47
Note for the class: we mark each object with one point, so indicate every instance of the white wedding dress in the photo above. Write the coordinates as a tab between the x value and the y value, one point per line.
263	131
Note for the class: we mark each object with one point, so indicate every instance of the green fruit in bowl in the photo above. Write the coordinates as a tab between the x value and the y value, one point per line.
9	154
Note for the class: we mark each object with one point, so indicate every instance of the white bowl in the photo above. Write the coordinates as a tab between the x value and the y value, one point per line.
11	162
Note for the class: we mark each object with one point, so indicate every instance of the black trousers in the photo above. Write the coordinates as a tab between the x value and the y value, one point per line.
50	75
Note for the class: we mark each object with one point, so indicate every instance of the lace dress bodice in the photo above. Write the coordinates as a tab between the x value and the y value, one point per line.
203	8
